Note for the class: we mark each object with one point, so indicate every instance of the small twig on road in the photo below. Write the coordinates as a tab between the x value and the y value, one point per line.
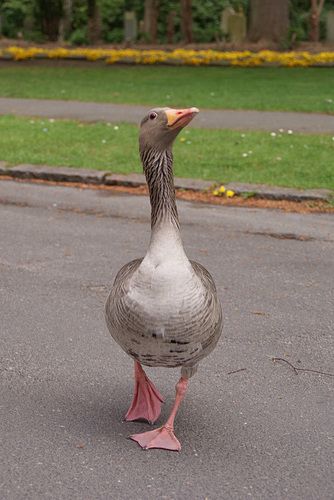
296	370
236	371
285	361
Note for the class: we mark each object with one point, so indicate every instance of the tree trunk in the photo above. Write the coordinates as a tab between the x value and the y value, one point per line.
65	23
186	21
151	15
316	8
94	22
50	13
170	26
269	20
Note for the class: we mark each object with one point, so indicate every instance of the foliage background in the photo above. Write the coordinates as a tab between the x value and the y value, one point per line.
34	18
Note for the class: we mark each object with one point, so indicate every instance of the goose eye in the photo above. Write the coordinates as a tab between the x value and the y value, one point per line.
152	116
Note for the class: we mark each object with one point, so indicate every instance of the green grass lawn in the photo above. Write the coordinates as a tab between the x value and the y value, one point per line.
276	89
223	156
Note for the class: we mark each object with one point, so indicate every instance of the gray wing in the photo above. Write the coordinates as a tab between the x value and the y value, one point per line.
204	276
213	309
116	314
113	306
125	273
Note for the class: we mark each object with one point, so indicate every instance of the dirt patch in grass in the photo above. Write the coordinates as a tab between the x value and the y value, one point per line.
304	207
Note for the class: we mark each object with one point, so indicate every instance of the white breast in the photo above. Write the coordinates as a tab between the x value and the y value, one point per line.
163	290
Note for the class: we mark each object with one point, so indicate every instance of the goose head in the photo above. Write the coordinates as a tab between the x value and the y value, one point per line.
160	127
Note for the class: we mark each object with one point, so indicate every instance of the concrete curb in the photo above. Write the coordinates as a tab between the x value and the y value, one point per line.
90	176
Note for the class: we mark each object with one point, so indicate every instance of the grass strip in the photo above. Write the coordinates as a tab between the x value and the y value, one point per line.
283	159
271	89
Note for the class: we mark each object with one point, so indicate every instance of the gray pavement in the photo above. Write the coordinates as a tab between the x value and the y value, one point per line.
308	123
262	432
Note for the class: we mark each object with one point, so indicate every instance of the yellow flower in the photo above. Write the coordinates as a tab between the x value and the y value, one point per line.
179	56
182	139
215	192
222	189
230	193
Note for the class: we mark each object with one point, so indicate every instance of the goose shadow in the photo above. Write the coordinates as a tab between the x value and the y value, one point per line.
90	413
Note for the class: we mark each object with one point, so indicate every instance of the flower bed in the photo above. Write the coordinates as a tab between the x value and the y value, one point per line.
175	57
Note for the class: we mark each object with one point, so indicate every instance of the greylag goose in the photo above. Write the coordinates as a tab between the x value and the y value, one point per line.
163	309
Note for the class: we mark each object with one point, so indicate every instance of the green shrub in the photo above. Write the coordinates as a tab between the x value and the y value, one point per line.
112	19
13	14
113	35
79	36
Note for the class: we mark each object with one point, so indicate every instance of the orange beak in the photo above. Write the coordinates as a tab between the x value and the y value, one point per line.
180	117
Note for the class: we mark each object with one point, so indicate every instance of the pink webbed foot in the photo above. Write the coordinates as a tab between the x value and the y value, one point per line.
146	403
162	437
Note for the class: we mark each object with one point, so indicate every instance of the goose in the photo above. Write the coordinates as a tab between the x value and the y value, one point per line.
163	309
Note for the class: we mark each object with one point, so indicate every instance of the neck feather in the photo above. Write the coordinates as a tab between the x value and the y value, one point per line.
158	169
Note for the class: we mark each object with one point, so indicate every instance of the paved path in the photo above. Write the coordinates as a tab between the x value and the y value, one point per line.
310	123
260	433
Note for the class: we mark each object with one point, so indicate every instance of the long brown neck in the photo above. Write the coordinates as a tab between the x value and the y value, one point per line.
158	169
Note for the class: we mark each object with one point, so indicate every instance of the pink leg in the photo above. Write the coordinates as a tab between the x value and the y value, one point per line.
146	401
164	437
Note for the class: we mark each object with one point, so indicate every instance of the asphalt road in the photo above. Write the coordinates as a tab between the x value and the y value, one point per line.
263	432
